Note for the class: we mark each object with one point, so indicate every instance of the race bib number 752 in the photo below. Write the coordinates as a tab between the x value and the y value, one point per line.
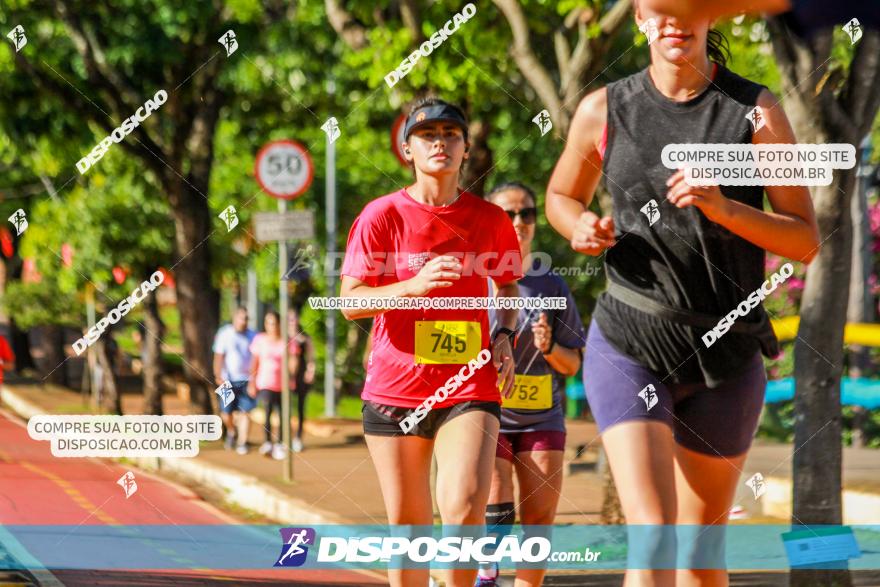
530	392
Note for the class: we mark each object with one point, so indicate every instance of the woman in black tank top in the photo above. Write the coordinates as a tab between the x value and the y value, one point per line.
678	257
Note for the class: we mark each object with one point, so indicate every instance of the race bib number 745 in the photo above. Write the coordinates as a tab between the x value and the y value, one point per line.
447	341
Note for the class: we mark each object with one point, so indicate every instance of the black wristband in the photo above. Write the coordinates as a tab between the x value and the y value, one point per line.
502	330
549	350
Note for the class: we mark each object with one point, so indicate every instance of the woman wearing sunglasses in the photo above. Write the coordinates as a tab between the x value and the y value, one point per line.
548	348
408	244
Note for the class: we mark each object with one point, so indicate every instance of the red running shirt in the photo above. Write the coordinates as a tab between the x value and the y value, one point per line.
389	242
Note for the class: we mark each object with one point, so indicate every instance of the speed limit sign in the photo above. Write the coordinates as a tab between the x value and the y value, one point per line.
284	169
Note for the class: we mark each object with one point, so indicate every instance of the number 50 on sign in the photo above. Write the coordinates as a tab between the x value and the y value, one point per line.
284	169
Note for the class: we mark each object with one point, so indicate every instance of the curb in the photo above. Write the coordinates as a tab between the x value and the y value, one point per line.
240	489
859	507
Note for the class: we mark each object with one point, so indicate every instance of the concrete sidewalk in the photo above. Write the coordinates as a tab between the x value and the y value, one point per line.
334	480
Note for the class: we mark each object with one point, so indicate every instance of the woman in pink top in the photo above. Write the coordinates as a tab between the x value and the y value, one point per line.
266	351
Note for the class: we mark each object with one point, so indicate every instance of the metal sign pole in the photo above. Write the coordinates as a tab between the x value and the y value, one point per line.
284	170
285	358
330	355
91	359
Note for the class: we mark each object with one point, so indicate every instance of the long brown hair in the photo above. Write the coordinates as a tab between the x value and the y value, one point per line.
717	47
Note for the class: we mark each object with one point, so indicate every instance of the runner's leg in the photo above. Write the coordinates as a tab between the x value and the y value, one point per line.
709	457
229	420
276	406
540	484
403	465
462	480
500	509
300	411
640	447
705	487
242	427
640	453
242	419
268	400
501	490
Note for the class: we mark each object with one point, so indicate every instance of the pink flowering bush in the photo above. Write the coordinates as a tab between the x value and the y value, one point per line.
777	420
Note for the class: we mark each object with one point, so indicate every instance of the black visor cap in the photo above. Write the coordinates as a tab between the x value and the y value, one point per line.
435	113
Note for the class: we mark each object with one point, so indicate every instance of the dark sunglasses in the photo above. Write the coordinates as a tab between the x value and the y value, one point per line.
528	215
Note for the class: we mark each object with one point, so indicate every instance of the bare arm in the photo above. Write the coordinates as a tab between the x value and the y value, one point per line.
579	168
293	362
310	362
575	178
502	346
219	358
564	360
561	359
507	317
790	230
440	271
252	381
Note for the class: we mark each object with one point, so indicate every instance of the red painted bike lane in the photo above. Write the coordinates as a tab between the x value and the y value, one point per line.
37	488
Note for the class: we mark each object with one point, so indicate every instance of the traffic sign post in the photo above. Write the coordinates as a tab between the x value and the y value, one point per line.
330	323
285	356
284	170
284	226
397	138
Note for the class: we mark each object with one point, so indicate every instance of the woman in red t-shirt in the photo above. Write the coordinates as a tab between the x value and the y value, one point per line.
433	240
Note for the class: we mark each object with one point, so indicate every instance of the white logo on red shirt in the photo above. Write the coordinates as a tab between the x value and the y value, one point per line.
416	261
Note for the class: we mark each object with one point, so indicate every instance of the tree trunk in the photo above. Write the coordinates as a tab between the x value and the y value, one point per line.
480	161
111	400
198	301
21	347
818	365
19	339
861	300
152	356
52	344
826	105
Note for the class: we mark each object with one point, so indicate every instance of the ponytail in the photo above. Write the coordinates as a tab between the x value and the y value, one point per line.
717	47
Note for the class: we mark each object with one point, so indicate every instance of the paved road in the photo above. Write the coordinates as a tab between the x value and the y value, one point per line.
76	503
81	499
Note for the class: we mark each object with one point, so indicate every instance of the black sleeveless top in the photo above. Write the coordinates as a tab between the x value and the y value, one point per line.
683	260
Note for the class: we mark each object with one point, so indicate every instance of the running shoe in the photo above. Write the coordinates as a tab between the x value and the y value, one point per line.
278	452
241	449
297	445
266	448
488	581
230	442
